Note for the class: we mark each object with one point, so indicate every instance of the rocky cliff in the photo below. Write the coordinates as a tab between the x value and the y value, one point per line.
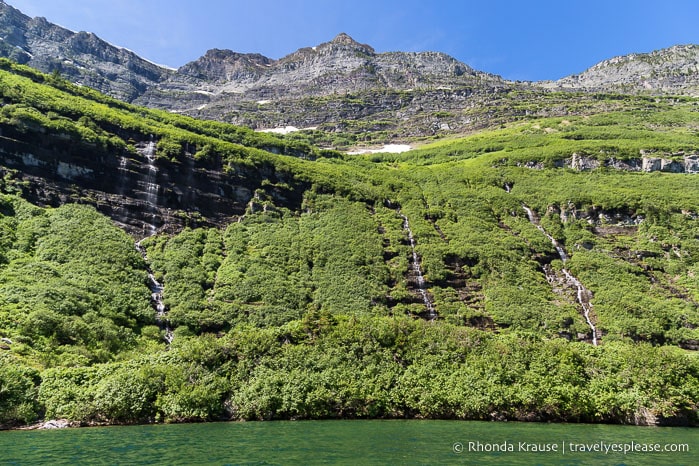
141	194
340	86
674	70
81	57
647	162
334	82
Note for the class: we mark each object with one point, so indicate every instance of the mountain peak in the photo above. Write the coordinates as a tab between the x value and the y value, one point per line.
346	41
344	38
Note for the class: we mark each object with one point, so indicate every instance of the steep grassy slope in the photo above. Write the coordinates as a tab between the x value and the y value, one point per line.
146	169
322	307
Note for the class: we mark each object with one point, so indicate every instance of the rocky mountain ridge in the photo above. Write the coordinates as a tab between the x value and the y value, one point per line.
674	70
80	57
340	86
334	82
339	66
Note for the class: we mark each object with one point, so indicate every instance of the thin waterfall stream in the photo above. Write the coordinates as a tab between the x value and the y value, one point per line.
151	183
431	312
150	191
156	289
583	294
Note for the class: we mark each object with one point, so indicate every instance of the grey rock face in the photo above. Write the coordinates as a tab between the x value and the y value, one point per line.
582	163
80	57
674	70
651	164
632	165
645	163
691	163
224	79
340	85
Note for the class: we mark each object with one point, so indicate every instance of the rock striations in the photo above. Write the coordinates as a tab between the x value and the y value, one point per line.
339	66
231	86
338	86
81	57
674	70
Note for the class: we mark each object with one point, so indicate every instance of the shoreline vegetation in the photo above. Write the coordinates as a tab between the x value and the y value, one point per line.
314	301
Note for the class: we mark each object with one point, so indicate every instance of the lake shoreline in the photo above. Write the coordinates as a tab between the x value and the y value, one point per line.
644	420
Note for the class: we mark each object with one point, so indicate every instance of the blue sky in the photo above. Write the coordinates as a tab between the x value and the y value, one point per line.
525	40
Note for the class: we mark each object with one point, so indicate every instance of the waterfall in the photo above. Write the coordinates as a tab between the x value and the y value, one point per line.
431	313
123	175
156	289
151	184
556	244
583	294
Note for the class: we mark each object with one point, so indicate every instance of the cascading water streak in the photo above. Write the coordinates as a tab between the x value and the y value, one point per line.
561	252
431	313
151	184
584	300
156	289
583	294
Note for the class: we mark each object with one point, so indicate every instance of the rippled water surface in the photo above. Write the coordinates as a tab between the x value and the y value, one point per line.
352	442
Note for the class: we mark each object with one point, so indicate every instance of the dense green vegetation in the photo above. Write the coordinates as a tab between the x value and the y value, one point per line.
315	311
34	102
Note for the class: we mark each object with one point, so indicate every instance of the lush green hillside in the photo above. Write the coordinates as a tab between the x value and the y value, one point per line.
318	309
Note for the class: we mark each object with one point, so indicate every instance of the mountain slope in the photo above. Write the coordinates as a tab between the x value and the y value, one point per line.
81	57
674	70
333	84
349	92
544	270
340	86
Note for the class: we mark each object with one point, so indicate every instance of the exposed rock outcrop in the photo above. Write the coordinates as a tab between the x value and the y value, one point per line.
669	163
580	163
673	70
80	57
333	82
139	193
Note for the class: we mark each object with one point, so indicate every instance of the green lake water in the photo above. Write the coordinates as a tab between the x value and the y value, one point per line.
353	442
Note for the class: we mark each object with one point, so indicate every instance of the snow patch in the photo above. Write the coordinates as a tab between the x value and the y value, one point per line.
388	148
285	129
19	48
263	102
